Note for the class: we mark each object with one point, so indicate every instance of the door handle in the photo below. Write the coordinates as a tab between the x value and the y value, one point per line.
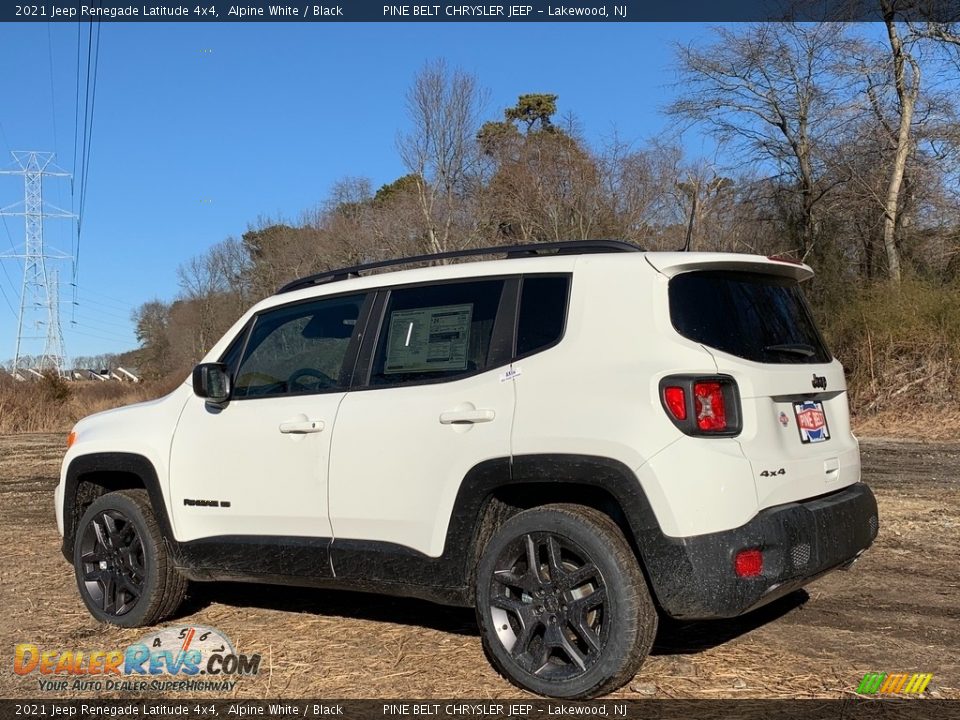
466	417
301	427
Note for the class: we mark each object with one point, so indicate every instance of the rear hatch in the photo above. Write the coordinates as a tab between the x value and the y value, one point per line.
750	314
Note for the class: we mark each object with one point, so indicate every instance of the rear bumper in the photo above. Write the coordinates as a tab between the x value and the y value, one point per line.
694	577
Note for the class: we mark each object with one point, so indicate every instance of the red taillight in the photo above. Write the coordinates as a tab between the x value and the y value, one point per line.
676	402
709	405
748	563
702	405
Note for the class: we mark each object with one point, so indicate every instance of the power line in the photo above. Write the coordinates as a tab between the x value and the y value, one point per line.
5	298
53	115
53	102
90	325
10	238
105	309
74	237
86	114
117	301
91	106
99	337
73	177
112	323
13	287
105	333
76	115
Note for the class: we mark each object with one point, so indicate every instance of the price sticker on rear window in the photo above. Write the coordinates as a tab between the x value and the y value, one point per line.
811	421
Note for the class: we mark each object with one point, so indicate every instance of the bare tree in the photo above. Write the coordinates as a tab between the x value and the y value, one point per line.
906	81
441	151
769	89
907	120
904	38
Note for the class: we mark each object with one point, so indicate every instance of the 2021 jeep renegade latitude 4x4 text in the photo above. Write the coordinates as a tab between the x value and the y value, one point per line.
573	440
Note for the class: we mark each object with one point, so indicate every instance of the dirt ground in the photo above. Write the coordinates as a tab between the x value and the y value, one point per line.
897	610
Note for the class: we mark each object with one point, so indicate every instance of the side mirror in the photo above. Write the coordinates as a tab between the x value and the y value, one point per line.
212	381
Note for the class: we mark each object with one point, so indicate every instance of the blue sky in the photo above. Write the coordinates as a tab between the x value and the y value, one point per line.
201	128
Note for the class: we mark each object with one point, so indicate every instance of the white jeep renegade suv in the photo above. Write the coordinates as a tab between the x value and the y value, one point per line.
572	440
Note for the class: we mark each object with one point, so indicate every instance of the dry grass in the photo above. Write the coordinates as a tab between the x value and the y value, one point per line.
895	610
55	406
923	424
900	347
52	405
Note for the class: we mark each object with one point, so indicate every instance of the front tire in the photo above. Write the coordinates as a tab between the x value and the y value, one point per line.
562	604
124	572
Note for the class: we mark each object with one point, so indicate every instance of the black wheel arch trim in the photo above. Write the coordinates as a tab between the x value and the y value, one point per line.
453	571
373	565
121	462
689	577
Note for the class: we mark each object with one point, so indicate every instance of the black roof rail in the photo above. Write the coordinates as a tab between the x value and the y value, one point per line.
567	247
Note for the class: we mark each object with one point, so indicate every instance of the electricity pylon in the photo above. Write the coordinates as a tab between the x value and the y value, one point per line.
39	298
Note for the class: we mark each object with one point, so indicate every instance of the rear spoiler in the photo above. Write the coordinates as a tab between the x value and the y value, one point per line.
674	263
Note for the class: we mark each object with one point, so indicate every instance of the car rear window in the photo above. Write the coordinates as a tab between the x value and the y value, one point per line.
758	317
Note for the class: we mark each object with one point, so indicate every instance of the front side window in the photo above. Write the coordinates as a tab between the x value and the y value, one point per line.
299	349
436	332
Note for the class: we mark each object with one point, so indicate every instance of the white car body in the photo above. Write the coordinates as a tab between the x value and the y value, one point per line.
386	465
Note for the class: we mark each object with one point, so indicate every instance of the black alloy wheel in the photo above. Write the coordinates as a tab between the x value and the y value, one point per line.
113	563
548	603
125	571
562	604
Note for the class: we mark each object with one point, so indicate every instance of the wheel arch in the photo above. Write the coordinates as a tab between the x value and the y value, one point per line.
91	476
496	489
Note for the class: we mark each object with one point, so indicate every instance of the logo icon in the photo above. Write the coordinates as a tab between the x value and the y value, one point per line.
894	683
173	658
819	382
784	420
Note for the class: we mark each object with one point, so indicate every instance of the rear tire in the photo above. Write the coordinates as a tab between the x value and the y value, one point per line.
562	604
125	574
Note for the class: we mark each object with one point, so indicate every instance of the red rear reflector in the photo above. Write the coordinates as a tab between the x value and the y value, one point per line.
748	563
709	406
676	402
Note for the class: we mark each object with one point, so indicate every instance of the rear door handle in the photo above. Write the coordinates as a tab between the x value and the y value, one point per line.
301	427
466	417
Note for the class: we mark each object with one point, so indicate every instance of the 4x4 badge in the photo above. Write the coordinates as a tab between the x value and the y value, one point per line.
819	382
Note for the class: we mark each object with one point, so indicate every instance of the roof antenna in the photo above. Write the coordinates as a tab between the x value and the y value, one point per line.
694	194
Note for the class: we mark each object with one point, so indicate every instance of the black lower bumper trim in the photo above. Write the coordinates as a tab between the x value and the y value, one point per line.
694	577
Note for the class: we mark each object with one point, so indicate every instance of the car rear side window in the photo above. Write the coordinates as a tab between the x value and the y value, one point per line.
758	317
543	312
436	332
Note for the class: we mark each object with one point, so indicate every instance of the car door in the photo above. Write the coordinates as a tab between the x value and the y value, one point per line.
257	465
435	401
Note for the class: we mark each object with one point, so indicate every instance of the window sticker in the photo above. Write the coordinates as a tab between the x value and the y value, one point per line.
428	339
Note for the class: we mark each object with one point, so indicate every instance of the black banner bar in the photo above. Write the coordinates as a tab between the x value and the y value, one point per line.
208	709
615	11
